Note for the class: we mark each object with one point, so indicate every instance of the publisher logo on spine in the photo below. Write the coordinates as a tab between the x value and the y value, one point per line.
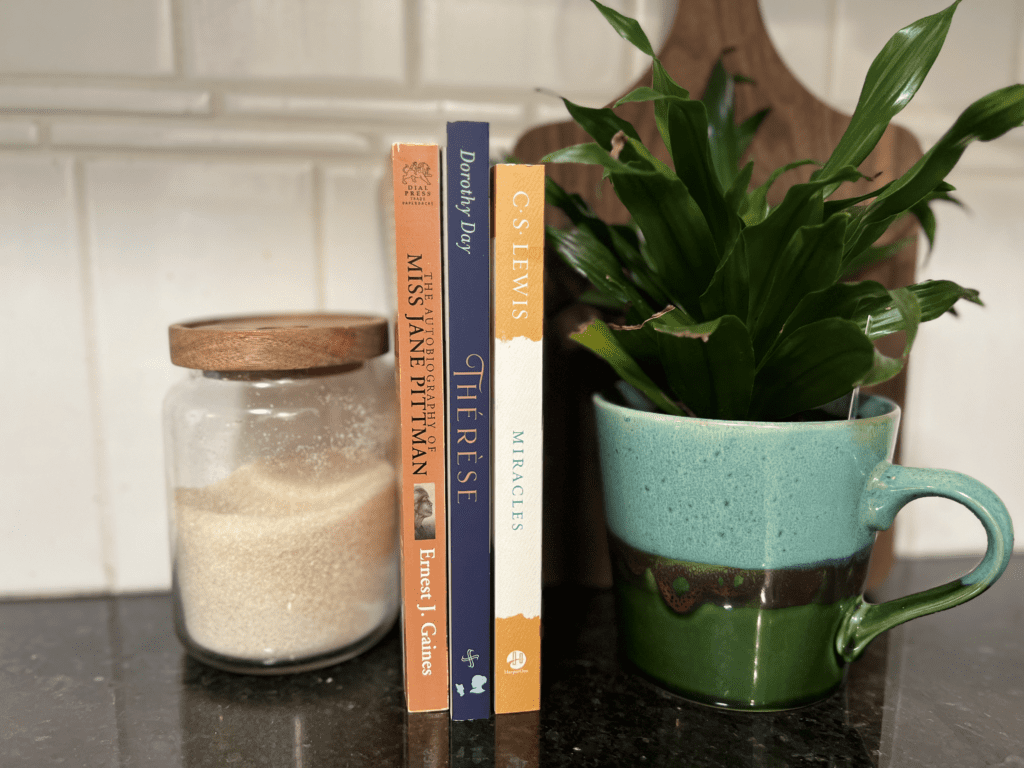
416	180
516	659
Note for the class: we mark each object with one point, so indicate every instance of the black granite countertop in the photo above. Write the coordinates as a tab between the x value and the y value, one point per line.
104	682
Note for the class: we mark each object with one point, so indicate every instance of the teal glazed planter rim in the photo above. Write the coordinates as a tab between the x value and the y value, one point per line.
872	407
740	548
748	501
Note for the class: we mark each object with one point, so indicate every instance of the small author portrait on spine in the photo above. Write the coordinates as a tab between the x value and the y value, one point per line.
423	502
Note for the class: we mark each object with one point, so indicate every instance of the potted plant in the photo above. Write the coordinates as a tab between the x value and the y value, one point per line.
741	504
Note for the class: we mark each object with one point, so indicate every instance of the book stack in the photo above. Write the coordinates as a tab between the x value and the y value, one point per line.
468	347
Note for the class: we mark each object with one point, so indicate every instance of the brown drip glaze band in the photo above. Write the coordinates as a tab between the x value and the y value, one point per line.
685	586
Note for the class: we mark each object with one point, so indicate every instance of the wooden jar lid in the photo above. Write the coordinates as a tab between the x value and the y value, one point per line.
277	342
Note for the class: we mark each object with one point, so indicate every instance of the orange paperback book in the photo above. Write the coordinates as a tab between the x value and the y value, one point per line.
518	307
419	368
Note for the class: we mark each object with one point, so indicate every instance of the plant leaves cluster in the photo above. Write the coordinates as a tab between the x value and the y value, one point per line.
732	309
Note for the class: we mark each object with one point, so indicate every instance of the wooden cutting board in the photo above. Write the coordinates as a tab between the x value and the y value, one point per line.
799	126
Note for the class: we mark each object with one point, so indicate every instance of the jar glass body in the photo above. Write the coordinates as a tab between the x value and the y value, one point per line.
283	518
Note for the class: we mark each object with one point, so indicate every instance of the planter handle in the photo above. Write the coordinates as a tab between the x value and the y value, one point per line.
889	489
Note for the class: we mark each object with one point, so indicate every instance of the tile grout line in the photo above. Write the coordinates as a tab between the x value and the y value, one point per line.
1017	62
91	347
413	34
177	31
831	50
317	180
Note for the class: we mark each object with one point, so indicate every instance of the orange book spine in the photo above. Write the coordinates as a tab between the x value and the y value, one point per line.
419	368
518	306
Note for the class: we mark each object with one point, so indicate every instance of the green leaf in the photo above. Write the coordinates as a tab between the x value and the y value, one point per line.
987	118
680	247
873	255
736	196
836	205
801	206
709	366
910	308
627	28
926	219
808	263
679	242
641	339
640	342
598	338
620	242
746	130
748	261
641	94
756	207
684	124
687	124
727	141
934	297
572	205
583	252
664	84
602	125
882	369
594	298
729	290
891	82
812	366
841	300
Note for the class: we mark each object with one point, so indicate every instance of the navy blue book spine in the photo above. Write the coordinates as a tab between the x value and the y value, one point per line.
468	293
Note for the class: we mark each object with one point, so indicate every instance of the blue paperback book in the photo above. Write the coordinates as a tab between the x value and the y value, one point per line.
467	324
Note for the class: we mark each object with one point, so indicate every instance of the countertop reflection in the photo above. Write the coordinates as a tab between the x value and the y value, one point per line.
103	682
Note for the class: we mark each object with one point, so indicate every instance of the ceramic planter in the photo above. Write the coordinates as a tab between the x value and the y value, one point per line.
741	548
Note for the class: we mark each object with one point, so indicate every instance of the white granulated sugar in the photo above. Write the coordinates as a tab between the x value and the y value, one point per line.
286	560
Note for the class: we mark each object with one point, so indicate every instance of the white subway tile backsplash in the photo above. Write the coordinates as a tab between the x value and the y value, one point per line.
330	106
167	135
1002	155
99	37
482	110
18	133
412	135
550	111
50	529
50	98
502	144
357	273
964	409
171	241
232	160
655	18
979	55
336	107
363	39
564	46
1018	21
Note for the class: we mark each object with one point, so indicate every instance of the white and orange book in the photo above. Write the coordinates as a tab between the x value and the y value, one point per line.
518	310
419	369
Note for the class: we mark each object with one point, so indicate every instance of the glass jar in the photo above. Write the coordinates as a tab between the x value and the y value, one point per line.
281	485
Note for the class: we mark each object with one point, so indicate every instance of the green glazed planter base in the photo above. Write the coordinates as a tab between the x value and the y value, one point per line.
750	639
721	663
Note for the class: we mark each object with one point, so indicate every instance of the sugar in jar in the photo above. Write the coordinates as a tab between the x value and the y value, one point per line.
281	486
